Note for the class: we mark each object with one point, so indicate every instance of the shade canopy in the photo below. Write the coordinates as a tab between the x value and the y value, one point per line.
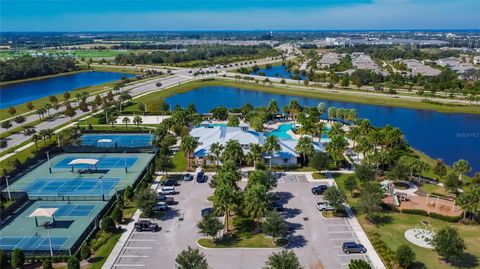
43	212
84	161
105	140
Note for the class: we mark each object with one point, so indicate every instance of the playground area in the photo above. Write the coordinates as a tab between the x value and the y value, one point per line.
409	199
69	225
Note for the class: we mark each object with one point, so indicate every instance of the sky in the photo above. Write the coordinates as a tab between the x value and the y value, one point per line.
159	15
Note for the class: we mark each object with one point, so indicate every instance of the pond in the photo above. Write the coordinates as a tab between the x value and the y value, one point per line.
276	71
19	93
440	135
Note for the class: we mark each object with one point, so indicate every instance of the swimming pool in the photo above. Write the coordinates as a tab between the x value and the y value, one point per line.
281	131
325	138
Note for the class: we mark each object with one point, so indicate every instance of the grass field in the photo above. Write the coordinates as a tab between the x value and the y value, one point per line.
179	161
151	100
392	233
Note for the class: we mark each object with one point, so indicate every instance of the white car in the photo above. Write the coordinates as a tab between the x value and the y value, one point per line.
167	190
324	206
161	206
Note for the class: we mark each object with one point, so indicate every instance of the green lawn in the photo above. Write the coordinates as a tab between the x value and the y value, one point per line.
179	161
392	232
392	235
257	241
102	253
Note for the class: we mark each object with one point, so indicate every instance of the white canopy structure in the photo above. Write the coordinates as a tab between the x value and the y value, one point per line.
43	212
104	140
84	161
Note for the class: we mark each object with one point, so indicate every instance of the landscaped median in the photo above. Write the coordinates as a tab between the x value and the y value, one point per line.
256	241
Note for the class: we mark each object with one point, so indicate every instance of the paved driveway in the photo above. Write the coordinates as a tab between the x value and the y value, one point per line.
314	239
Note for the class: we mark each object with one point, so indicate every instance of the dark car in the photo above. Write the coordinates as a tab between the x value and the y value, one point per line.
170	182
187	177
146	225
320	189
201	177
352	247
276	206
207	211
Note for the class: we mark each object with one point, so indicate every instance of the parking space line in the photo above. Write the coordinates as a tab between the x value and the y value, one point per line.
137	247
351	254
345	239
336	225
340	232
141	240
133	256
128	265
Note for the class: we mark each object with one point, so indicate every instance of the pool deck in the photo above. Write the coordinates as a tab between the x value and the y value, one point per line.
70	227
42	171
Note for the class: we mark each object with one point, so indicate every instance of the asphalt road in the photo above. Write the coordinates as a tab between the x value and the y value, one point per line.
314	239
135	90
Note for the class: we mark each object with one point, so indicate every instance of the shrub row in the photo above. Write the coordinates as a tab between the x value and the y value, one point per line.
420	212
388	256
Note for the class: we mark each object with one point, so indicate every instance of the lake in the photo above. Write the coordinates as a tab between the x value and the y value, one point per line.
276	71
440	135
19	93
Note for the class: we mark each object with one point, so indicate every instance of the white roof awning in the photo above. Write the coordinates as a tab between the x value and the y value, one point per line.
104	140
84	161
43	212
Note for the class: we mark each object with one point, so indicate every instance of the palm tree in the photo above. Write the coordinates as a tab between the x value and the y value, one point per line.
461	167
223	198
337	129
305	147
126	120
273	107
233	152
271	145
294	108
216	150
137	120
255	154
256	201
336	147
48	106
354	133
321	108
188	145
35	139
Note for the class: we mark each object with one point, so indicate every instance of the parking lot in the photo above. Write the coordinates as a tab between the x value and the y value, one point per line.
314	239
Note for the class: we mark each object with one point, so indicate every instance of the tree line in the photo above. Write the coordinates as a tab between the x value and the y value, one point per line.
29	67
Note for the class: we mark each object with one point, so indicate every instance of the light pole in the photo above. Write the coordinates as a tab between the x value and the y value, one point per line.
8	188
50	241
101	187
49	164
125	161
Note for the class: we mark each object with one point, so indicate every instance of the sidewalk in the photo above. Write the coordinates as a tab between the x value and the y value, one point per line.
109	263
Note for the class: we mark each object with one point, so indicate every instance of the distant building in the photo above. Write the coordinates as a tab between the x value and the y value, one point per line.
361	60
418	68
328	60
208	134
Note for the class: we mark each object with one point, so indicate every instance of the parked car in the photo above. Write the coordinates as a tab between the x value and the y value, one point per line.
206	211
201	177
187	177
146	225
320	189
277	206
324	206
160	206
167	199
352	247
167	190
170	182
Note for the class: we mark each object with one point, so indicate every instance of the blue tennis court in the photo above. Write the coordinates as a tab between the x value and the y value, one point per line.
117	140
76	186
103	162
30	243
69	210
